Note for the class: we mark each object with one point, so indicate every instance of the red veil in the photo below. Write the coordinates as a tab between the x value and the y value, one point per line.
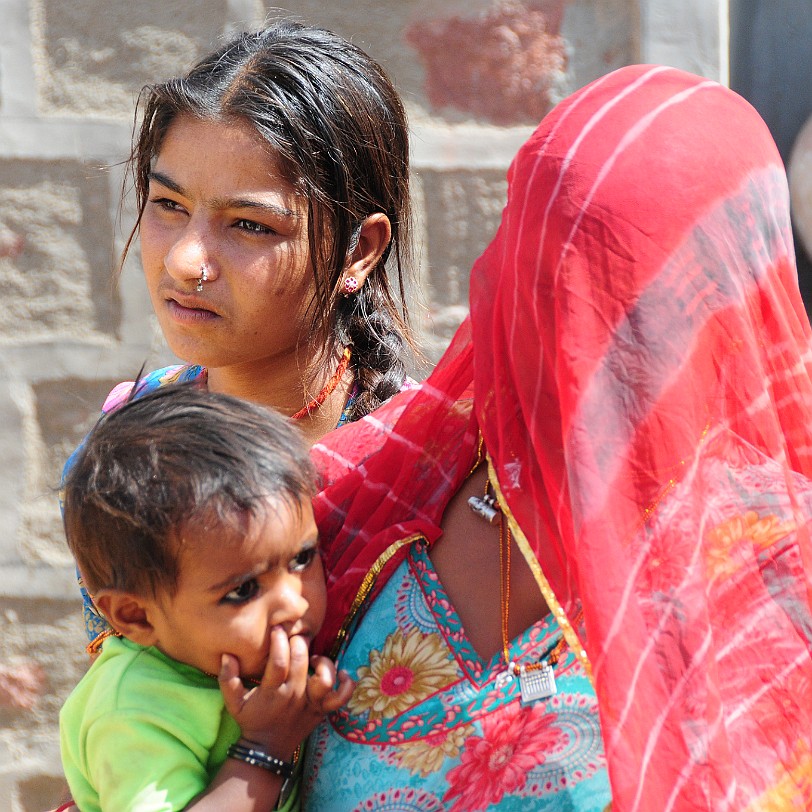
639	359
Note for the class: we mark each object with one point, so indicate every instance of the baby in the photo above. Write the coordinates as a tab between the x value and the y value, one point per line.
189	516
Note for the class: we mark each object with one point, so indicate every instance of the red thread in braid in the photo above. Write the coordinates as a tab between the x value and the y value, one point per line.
328	389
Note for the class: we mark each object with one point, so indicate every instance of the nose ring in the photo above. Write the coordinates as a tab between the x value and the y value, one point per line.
204	277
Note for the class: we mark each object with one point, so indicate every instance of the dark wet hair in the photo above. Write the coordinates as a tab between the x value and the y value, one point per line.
179	458
338	125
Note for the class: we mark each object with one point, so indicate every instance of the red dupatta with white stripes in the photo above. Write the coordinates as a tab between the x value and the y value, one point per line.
640	363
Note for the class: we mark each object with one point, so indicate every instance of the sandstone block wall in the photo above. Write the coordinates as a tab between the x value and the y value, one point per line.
69	75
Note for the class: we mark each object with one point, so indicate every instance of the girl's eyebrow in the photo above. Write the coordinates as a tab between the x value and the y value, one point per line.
165	180
273	209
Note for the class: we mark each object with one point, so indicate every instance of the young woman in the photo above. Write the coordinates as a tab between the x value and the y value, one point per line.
272	186
574	566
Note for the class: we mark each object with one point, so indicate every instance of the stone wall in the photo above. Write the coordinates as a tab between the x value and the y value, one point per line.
69	75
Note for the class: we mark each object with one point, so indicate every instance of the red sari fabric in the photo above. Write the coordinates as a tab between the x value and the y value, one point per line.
638	362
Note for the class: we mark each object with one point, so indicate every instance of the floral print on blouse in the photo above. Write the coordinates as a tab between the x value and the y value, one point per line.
428	729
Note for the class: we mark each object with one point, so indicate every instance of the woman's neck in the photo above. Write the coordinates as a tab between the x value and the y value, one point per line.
280	386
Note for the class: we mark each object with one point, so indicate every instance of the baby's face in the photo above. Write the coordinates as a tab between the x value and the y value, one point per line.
237	582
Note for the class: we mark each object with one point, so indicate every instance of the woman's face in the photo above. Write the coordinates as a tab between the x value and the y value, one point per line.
218	201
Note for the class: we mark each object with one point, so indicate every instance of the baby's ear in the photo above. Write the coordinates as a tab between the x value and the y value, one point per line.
127	614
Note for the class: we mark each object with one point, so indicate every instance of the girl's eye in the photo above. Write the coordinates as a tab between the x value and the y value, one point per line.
166	204
254	228
303	559
243	593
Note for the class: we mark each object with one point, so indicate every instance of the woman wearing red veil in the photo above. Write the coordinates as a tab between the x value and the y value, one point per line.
573	568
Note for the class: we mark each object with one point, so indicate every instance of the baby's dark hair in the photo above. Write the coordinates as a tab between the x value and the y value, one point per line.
175	457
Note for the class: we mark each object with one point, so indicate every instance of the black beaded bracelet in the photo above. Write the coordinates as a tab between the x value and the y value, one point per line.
259	758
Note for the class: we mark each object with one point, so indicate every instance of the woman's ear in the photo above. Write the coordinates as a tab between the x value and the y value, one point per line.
128	614
373	240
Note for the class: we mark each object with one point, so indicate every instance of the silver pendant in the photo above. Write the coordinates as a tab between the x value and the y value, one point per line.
486	507
537	684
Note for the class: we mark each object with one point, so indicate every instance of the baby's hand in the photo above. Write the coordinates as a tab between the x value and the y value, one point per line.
321	695
286	706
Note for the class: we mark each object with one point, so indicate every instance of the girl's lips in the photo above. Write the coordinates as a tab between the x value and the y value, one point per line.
190	310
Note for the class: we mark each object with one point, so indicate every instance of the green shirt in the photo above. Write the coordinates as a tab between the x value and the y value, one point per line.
143	733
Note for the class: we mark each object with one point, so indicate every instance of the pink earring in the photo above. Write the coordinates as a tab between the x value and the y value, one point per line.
350	286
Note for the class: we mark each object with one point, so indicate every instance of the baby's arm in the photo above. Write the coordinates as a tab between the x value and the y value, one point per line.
275	717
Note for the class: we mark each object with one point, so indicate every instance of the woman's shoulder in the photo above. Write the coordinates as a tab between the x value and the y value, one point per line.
177	373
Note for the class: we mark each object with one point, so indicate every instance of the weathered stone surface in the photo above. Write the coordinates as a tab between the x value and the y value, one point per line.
601	35
379	29
12	452
94	56
462	211
48	633
64	411
55	268
69	74
21	684
42	792
507	65
691	39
